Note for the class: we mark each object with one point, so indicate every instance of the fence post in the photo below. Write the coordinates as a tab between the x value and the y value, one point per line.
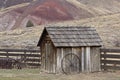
7	55
25	59
105	69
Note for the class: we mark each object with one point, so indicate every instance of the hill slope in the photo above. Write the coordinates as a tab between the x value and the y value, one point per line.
99	7
8	3
47	11
107	27
105	6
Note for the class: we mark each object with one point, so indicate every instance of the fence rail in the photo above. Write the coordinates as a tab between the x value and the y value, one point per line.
19	50
111	50
110	59
32	57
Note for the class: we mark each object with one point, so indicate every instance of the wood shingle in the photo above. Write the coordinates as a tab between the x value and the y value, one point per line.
73	36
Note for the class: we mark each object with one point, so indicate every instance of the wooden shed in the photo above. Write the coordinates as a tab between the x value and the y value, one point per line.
70	49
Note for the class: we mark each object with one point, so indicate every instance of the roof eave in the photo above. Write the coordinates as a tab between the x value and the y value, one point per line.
77	46
40	39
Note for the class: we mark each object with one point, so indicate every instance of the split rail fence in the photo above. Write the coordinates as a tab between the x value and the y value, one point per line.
32	58
110	59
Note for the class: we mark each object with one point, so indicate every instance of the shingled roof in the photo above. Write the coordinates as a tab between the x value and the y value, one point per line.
73	36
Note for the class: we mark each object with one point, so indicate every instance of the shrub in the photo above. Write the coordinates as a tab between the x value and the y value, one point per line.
29	24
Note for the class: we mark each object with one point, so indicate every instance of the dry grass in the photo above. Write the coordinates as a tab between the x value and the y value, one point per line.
108	28
5	10
20	38
97	7
83	6
35	74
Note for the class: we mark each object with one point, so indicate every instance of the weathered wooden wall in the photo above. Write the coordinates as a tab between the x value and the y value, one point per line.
61	52
48	52
51	56
89	58
95	59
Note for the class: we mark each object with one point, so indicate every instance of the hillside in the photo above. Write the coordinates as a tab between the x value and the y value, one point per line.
8	3
107	27
103	6
41	12
98	7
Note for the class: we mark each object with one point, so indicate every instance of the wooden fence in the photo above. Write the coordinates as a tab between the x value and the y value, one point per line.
32	57
110	59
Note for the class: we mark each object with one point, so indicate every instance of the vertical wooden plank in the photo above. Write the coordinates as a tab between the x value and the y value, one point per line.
99	59
58	60
67	51
43	56
98	68
62	55
88	60
24	57
73	52
7	54
95	59
49	58
83	50
105	59
52	57
54	61
57	68
84	59
41	51
46	56
92	58
78	52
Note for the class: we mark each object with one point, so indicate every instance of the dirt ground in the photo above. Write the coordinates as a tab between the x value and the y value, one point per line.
35	74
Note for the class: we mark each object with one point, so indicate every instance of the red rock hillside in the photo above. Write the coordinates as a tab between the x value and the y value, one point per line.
41	12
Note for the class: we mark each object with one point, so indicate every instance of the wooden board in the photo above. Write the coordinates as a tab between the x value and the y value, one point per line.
110	50
95	59
107	67
110	56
